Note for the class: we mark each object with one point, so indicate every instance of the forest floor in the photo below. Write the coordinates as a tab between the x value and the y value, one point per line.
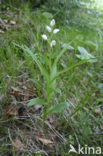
22	132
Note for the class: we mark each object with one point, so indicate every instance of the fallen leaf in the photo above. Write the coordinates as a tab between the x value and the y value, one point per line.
15	89
18	144
13	112
9	111
46	142
16	94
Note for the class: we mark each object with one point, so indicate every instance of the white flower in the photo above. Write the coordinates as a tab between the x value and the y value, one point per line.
53	43
44	37
48	28
55	31
52	23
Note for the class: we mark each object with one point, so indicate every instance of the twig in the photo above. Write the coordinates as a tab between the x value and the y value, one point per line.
1	97
10	136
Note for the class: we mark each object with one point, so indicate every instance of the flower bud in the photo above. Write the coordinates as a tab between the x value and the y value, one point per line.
48	28
52	23
53	43
55	31
44	37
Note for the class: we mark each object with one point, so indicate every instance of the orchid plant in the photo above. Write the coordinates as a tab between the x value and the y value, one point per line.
51	73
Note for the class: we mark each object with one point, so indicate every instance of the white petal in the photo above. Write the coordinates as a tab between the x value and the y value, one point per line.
52	23
55	31
48	28
44	37
53	43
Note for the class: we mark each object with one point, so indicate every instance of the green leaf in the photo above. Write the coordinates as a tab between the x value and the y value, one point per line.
47	15
53	74
57	108
54	71
36	101
68	46
59	56
84	55
92	43
69	68
46	60
100	85
41	68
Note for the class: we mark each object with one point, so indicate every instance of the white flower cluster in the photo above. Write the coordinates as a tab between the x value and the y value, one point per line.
50	29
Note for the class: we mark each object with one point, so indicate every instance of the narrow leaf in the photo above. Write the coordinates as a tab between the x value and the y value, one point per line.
58	108
59	56
48	15
41	68
68	46
69	68
36	101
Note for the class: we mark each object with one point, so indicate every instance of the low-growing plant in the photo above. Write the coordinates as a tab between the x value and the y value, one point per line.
50	71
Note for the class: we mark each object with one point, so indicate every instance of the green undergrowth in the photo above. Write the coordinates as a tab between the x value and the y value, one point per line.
82	86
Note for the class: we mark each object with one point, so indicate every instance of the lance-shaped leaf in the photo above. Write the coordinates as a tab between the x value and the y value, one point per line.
36	101
34	57
68	68
57	108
